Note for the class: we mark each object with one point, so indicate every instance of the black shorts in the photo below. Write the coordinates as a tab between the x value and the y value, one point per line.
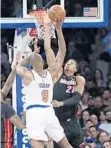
73	132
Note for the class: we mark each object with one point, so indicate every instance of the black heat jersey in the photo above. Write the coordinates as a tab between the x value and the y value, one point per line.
64	89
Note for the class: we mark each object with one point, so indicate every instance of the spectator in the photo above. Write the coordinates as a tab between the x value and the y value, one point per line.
84	101
93	91
84	117
88	124
90	104
93	132
90	84
101	90
95	121
107	126
106	96
99	78
102	117
103	136
87	72
73	53
98	102
82	64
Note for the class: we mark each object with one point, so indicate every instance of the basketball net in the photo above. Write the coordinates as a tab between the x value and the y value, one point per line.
39	22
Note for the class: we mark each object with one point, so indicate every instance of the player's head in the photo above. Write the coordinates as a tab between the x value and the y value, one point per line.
37	62
70	67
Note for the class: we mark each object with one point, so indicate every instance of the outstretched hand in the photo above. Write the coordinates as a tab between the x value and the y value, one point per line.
18	58
46	18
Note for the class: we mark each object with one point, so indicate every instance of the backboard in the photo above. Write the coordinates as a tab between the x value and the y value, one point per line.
79	15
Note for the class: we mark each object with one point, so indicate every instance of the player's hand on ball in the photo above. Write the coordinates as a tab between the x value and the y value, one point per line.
56	103
46	19
58	24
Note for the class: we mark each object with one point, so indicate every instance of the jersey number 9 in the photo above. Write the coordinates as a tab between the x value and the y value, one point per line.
45	96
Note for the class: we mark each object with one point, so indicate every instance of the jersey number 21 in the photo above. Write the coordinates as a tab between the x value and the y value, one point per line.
70	89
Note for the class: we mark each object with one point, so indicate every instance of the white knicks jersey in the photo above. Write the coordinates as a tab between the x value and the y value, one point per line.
40	90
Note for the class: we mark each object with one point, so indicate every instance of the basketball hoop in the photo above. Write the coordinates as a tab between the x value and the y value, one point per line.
39	22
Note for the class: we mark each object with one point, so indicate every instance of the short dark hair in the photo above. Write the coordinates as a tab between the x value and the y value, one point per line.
89	120
98	136
93	126
107	109
106	89
75	62
86	66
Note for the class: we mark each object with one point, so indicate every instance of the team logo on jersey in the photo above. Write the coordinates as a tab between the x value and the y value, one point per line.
71	82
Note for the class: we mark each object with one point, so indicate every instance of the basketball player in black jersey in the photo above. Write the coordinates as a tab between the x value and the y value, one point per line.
66	100
67	95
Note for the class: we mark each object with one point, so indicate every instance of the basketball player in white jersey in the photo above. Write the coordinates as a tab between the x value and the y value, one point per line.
38	90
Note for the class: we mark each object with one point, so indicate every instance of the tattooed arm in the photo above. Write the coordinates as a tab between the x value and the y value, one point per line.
57	65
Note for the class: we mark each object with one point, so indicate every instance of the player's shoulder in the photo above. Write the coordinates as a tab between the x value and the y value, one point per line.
80	78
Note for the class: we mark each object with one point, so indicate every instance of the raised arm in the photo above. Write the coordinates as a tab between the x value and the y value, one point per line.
47	43
8	84
62	45
62	48
21	70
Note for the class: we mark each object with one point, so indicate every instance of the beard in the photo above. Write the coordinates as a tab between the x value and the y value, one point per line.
108	120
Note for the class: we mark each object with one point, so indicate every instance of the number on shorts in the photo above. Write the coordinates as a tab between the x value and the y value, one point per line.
70	89
45	96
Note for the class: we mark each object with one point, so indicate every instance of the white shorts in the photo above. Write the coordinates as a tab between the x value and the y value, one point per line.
41	122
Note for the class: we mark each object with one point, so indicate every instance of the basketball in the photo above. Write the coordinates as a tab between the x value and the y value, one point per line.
56	12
